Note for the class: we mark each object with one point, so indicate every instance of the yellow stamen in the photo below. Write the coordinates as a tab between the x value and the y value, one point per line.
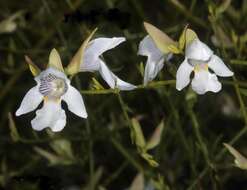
56	100
200	67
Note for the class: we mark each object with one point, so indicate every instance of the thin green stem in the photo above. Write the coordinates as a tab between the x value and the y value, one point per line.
238	62
198	134
91	156
151	85
123	106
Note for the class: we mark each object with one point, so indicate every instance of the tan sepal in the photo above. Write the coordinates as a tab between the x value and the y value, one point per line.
33	68
55	60
161	39
77	60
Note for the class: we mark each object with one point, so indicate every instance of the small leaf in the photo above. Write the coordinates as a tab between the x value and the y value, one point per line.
63	148
161	39
33	68
55	60
62	157
138	136
159	184
97	85
9	24
240	160
173	49
77	60
149	158
156	137
141	69
52	158
13	131
137	183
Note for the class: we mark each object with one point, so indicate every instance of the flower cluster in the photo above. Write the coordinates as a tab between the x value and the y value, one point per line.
53	84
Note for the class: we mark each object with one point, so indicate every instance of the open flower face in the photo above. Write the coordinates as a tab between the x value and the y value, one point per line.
92	62
52	87
200	58
155	61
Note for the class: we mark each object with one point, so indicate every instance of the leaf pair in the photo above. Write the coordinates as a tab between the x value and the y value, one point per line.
62	154
143	146
55	60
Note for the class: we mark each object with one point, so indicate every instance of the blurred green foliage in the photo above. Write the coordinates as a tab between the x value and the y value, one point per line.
98	153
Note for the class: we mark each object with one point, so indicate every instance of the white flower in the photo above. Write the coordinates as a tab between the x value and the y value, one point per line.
200	58
92	62
155	60
52	87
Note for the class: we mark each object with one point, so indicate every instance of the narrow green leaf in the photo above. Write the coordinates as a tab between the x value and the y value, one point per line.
240	160
156	137
223	6
161	39
138	134
32	67
13	131
97	85
77	60
55	60
141	69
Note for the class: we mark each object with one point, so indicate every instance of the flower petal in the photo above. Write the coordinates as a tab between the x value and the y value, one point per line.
183	75
152	69
75	102
53	71
218	66
112	80
96	48
30	101
155	61
198	50
204	81
50	115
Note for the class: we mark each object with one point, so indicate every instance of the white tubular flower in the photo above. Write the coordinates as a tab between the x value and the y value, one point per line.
92	62
199	58
52	87
155	60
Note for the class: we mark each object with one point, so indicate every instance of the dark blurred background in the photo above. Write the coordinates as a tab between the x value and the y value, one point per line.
97	153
